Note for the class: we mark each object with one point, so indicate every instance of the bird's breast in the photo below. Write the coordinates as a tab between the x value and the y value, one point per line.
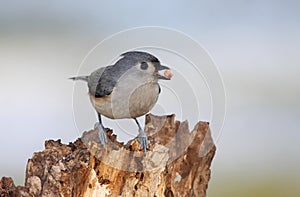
127	100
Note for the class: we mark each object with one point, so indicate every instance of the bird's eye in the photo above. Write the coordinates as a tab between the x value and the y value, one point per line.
144	66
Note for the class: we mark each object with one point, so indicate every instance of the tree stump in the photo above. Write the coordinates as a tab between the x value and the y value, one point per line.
177	163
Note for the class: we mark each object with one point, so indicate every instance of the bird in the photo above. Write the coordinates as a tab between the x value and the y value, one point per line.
128	89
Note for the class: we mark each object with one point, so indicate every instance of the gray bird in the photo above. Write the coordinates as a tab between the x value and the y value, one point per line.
127	89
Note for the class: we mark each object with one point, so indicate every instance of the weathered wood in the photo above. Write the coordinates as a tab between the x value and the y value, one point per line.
176	164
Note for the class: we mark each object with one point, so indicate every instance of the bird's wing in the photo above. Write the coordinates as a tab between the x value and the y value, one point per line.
102	81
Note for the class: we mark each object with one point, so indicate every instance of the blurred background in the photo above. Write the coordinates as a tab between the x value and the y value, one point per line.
255	44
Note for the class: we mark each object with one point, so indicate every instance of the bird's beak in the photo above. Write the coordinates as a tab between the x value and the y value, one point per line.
163	72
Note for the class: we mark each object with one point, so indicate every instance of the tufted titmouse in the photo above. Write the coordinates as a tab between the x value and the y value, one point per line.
127	89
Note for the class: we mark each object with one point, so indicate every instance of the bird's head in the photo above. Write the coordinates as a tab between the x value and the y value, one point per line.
147	64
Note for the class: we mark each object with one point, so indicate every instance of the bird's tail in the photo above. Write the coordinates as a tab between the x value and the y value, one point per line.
83	78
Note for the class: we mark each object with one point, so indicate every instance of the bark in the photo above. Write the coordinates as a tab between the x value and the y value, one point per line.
176	164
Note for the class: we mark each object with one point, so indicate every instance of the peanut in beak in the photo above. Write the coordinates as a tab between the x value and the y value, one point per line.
168	74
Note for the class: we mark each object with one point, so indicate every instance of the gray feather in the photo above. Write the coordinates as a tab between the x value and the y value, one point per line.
94	81
83	78
140	55
102	81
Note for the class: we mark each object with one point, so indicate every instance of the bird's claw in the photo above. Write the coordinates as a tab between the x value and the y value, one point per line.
102	134
143	140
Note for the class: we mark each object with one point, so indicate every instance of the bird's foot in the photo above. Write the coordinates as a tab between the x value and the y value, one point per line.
143	140
102	134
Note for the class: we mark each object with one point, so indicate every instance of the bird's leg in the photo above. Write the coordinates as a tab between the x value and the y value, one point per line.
101	131
143	137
